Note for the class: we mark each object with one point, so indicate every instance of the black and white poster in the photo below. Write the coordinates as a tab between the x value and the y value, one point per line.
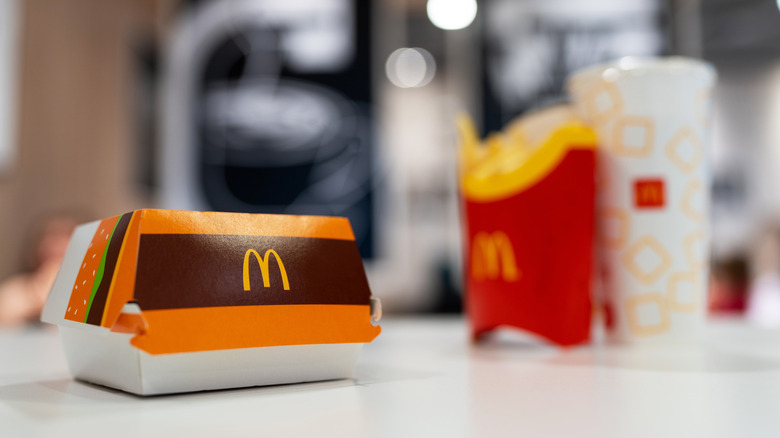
280	110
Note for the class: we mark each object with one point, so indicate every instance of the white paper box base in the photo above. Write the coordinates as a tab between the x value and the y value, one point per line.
108	359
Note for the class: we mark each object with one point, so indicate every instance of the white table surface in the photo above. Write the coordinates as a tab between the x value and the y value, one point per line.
422	378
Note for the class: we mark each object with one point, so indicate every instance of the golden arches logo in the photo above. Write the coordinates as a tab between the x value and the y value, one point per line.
649	193
263	262
491	254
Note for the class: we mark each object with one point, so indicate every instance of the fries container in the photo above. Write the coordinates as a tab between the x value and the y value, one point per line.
528	207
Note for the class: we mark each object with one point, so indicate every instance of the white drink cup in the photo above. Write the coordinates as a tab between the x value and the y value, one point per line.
653	188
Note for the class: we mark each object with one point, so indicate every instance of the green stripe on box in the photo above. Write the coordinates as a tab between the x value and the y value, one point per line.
101	269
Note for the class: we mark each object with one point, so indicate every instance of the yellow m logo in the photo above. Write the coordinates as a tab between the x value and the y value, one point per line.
650	195
263	261
491	253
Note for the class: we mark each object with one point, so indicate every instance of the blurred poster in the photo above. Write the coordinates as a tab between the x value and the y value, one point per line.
9	31
531	46
280	110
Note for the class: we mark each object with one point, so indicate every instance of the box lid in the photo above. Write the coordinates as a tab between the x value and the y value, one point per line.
204	280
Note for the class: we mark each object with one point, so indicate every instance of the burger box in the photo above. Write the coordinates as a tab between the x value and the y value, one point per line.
158	301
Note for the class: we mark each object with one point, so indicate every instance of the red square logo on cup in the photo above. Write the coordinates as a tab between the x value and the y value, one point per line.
649	193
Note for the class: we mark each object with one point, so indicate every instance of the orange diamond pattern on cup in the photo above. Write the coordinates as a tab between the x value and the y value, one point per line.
692	189
675	285
689	248
633	136
685	150
615	227
646	274
647	314
603	102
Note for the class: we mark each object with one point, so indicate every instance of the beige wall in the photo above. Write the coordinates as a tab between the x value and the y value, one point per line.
74	122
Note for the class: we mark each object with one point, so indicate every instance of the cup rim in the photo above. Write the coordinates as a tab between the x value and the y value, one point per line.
640	65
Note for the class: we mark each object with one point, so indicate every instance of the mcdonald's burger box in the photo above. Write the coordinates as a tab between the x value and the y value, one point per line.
157	301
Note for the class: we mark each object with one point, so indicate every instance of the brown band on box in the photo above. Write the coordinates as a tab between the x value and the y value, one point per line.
199	222
208	328
122	287
114	246
201	270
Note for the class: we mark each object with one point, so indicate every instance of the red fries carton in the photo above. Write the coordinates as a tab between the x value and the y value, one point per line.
159	301
528	202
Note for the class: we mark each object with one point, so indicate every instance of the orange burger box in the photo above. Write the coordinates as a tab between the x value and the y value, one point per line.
157	301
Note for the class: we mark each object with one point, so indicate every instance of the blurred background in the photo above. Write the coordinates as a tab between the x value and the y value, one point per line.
346	107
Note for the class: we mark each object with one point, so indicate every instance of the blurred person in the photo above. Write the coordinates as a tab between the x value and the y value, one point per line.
23	295
728	286
763	306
